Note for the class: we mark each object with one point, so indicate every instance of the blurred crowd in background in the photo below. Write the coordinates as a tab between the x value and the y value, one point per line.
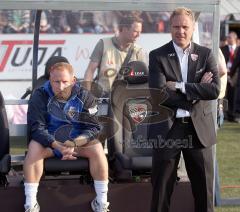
52	21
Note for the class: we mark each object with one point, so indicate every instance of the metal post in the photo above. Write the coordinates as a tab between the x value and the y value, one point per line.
35	47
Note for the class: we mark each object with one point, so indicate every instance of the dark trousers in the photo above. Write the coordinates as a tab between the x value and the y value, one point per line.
237	98
230	95
199	166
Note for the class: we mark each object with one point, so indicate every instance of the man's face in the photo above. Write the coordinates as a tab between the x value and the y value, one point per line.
61	82
182	28
132	33
231	39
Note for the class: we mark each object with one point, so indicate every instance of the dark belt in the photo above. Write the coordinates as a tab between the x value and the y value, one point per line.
184	120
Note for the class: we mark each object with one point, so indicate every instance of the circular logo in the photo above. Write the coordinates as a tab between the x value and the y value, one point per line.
110	72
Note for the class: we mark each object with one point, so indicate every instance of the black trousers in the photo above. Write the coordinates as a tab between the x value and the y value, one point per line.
199	166
230	95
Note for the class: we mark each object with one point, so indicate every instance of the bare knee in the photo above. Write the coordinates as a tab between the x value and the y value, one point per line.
37	152
92	151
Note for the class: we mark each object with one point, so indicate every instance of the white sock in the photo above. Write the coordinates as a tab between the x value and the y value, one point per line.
101	189
31	190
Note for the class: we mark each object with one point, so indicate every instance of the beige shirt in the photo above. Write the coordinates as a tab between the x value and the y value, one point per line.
110	58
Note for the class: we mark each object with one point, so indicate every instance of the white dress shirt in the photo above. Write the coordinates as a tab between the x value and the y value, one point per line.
183	60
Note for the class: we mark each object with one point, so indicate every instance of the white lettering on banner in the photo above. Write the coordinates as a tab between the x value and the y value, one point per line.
82	53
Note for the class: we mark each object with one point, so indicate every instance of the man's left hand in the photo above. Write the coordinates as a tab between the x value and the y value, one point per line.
68	153
171	85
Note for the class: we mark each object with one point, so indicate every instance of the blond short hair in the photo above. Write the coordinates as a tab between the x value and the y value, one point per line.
61	66
182	11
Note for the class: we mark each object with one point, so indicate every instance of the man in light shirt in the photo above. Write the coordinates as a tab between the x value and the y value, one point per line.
109	53
188	73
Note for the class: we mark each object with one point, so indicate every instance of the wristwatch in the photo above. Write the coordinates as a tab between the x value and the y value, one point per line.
178	86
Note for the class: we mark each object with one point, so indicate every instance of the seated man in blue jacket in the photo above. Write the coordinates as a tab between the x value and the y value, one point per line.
61	124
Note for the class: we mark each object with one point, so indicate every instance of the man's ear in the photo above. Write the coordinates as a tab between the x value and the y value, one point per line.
74	79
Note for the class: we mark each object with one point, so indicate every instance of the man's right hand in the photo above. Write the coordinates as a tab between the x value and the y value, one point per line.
67	152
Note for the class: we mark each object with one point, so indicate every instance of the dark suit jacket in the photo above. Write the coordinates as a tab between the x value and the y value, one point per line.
164	66
226	53
236	62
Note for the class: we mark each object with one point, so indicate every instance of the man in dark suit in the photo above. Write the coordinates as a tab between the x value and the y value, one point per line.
188	73
229	51
235	82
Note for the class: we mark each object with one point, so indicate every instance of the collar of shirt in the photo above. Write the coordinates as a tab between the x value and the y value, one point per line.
232	47
180	52
116	44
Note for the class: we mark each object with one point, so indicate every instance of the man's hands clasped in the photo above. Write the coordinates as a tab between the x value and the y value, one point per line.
67	152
